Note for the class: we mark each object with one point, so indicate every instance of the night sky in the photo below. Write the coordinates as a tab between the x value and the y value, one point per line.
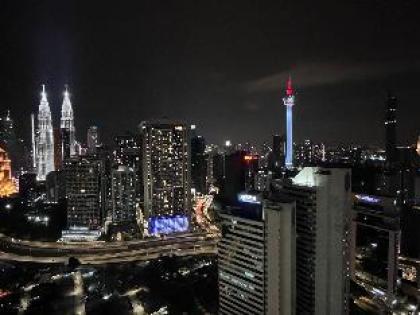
222	65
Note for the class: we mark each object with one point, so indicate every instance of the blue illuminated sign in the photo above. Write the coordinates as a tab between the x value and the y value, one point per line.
248	198
168	225
368	199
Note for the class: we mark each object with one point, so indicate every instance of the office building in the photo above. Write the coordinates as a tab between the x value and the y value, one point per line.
256	257
323	209
85	192
123	198
240	171
166	170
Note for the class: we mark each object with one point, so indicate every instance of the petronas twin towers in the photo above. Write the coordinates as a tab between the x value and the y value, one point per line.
43	137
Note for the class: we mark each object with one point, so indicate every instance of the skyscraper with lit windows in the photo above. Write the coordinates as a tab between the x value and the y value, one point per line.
289	102
67	127
123	189
166	173
44	139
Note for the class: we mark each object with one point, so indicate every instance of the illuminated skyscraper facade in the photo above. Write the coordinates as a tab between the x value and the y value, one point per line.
45	139
11	143
289	102
7	187
67	127
166	168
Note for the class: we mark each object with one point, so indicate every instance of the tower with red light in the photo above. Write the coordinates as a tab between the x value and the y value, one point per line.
289	102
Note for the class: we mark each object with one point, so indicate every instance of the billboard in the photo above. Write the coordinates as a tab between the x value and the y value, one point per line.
168	224
368	199
248	198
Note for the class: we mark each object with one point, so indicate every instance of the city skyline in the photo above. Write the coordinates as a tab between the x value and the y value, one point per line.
218	157
205	77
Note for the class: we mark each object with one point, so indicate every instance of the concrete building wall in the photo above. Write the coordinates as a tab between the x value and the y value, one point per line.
280	258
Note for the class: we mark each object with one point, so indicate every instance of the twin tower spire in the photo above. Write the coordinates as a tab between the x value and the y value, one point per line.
44	153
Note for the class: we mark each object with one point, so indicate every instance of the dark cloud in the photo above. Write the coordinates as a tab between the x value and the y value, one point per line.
329	73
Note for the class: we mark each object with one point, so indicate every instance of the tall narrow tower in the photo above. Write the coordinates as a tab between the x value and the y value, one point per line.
67	127
45	145
391	129
289	102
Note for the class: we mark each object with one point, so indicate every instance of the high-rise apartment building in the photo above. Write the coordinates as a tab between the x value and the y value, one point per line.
126	151
323	216
166	169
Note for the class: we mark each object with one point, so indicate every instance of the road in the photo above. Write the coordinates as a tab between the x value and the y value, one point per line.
95	253
78	294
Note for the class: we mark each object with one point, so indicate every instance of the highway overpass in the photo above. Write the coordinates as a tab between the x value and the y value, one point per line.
95	253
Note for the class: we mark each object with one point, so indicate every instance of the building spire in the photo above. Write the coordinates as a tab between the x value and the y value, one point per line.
43	94
66	91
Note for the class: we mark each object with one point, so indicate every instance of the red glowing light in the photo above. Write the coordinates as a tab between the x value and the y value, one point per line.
289	90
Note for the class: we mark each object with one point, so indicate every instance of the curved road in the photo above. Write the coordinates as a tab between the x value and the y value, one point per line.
94	253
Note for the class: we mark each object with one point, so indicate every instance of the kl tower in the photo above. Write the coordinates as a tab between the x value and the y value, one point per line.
289	102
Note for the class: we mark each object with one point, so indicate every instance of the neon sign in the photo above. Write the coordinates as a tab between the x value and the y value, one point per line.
168	225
